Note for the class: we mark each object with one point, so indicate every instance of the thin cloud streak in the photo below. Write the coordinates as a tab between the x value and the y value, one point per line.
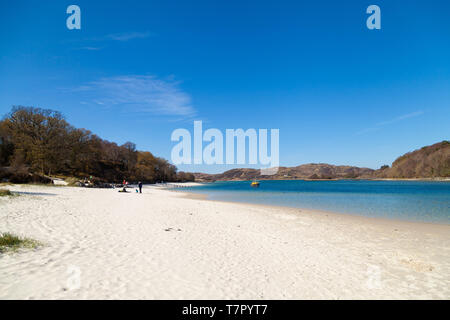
90	48
92	44
380	125
126	36
400	118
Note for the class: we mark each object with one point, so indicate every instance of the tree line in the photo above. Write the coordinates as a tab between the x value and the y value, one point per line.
40	141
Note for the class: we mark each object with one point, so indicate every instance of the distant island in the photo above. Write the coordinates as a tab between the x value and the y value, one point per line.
430	162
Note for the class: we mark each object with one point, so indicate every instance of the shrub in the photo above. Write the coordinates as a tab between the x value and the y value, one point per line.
10	242
5	192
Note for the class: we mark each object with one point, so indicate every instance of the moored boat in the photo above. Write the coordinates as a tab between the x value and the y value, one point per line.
254	184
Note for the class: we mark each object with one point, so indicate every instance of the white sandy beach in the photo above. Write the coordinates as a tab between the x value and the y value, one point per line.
102	244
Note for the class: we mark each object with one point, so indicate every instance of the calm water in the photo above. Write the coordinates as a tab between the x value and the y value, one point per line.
407	200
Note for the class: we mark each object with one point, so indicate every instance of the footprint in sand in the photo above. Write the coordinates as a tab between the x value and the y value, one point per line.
417	265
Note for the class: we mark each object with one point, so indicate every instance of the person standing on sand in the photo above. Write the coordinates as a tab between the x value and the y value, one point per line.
140	186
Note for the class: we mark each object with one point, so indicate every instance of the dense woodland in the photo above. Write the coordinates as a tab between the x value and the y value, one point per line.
40	142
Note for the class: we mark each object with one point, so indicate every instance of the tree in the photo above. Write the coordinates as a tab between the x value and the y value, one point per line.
130	155
6	144
39	134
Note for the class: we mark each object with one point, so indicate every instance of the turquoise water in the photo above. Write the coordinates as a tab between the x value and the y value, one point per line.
423	201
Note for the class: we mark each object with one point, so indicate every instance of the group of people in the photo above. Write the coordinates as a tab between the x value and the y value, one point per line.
125	184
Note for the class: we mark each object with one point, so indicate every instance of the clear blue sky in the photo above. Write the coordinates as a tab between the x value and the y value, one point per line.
137	70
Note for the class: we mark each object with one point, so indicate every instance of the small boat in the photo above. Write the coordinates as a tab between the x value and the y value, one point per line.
255	184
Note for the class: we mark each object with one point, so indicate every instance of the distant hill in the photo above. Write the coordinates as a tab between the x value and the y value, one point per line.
305	171
428	162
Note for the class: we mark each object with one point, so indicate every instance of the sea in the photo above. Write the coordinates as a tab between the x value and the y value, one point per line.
420	201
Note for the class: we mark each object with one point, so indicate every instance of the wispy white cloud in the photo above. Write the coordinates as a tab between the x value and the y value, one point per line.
380	125
90	48
126	36
93	43
136	93
400	118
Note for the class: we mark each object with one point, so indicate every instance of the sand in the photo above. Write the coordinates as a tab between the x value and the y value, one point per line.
102	244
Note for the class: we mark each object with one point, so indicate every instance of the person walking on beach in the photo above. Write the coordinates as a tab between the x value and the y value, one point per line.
140	186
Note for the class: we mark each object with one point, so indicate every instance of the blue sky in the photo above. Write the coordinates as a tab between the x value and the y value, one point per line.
137	70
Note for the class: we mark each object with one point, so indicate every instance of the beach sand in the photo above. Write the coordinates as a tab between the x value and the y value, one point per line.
162	244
